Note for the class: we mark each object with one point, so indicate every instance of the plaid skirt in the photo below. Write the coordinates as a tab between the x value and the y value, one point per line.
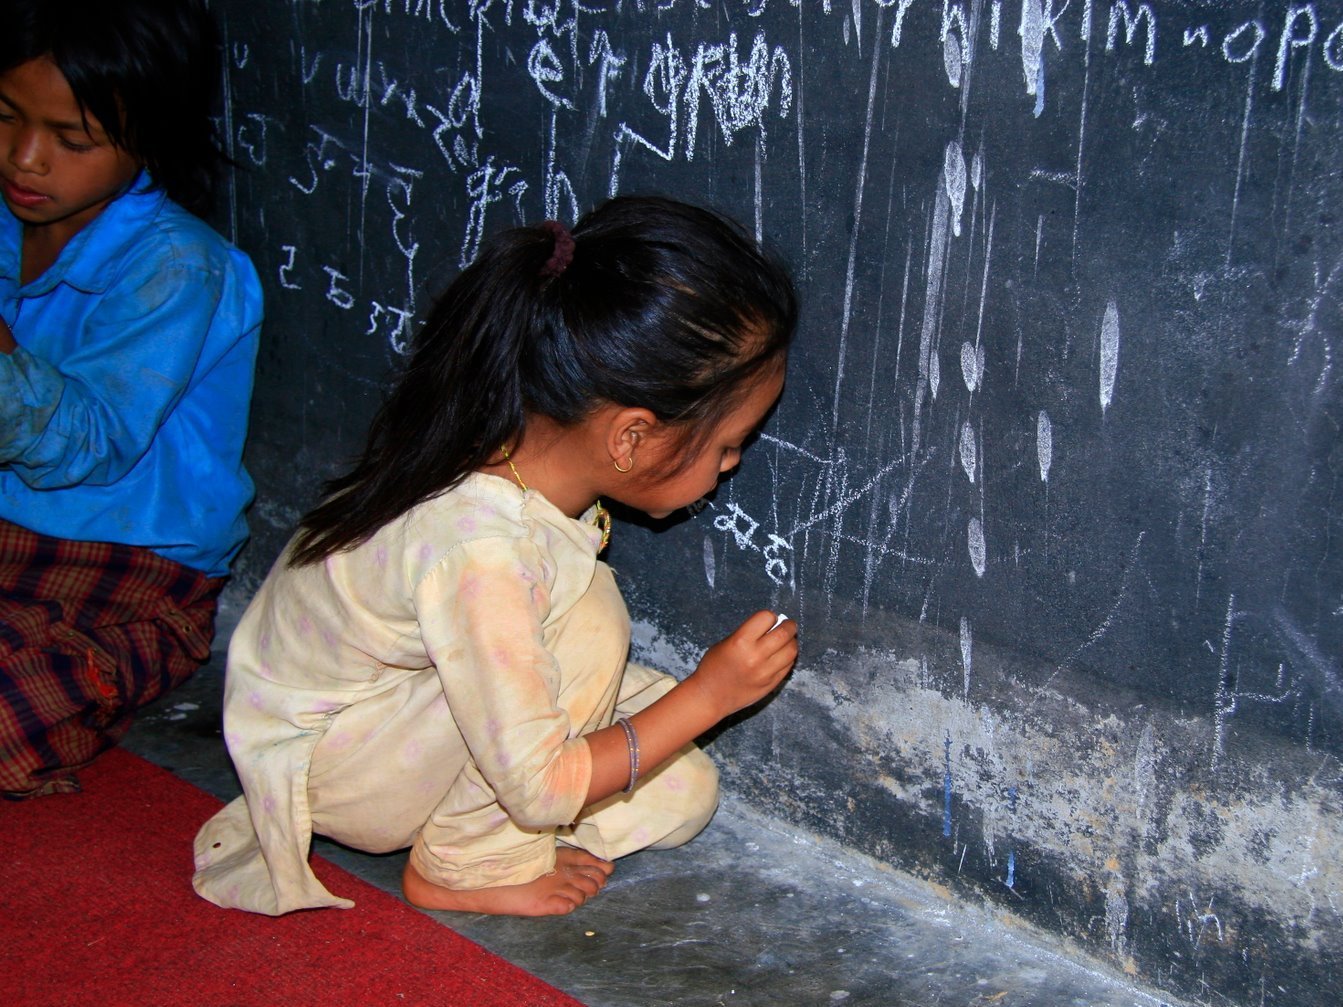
89	632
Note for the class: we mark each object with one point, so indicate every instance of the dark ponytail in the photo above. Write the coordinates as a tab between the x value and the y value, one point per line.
663	305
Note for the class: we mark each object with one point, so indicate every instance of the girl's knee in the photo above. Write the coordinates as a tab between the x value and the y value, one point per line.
705	781
693	785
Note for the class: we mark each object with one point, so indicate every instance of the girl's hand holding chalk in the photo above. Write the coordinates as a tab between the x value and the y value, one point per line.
749	664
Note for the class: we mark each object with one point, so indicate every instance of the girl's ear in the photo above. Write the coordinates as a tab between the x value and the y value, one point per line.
627	431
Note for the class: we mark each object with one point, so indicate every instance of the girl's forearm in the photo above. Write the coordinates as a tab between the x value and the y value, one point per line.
7	344
734	673
663	729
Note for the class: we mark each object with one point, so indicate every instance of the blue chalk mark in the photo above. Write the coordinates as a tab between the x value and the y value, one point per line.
1011	854
946	791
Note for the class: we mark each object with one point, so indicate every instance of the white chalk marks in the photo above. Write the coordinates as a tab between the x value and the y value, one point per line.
777	551
1116	912
1109	354
1034	26
972	366
930	376
954	177
952	59
740	94
1044	444
710	565
976	545
967	645
969	455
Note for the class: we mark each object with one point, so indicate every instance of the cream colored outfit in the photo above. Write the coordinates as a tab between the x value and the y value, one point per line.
430	688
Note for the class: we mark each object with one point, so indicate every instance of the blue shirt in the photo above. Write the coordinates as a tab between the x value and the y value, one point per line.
124	410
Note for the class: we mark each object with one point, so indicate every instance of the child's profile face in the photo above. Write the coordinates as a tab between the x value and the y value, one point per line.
58	169
659	497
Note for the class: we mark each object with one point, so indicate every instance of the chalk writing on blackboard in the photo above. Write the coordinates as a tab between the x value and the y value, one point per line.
740	92
1044	444
1109	365
968	452
774	549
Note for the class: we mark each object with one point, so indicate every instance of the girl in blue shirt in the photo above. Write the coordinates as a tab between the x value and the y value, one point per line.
128	336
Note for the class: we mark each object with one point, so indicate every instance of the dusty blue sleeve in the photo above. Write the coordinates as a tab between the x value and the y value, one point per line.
90	418
30	391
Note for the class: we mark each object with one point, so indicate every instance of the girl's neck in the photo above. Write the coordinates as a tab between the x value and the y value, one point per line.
38	252
551	460
43	244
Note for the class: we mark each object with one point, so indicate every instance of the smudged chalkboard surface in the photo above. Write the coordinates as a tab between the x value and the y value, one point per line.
1054	491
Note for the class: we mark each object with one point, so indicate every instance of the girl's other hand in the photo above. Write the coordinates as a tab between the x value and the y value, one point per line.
749	664
7	344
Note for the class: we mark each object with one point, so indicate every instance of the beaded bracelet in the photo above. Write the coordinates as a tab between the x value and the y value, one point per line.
631	743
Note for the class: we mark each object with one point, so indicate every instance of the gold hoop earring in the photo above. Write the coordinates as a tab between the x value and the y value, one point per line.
628	468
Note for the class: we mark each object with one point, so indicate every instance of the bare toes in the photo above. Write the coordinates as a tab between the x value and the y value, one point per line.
587	884
559	905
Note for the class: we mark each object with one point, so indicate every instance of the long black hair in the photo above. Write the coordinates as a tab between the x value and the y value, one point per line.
147	70
664	306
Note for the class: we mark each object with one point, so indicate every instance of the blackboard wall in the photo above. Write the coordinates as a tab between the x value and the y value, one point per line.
1054	492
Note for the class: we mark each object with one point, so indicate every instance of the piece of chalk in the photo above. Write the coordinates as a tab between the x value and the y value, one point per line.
778	621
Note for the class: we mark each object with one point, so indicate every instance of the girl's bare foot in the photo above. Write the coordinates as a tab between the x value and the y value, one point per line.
577	876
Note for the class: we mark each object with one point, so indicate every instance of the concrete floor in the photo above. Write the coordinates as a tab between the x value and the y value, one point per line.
748	914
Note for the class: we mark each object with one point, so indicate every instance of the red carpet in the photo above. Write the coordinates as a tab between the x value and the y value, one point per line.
97	909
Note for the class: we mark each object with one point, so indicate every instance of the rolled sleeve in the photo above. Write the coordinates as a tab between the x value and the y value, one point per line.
482	612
